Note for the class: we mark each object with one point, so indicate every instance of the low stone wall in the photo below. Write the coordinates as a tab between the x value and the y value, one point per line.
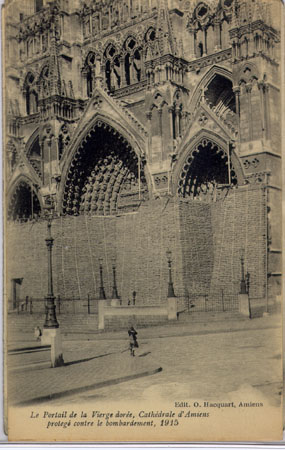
124	316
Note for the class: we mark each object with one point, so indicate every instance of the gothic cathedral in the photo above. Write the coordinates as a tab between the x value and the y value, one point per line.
144	128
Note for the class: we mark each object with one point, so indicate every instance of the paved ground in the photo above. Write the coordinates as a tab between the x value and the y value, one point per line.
197	360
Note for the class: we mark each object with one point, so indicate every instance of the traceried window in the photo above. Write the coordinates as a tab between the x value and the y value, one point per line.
38	5
112	68
89	69
31	94
44	82
133	62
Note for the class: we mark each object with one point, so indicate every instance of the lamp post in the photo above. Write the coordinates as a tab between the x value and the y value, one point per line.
115	291
247	278
242	282
50	320
102	295
51	330
170	282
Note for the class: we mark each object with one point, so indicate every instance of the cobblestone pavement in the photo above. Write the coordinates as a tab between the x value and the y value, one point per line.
211	362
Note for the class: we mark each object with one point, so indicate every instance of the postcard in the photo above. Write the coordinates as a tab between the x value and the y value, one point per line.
142	231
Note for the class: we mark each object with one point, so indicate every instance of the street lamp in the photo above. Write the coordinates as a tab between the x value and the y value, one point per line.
50	321
115	292
170	282
51	331
242	282
102	295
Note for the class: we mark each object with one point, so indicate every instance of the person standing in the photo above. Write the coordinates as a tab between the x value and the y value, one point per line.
133	340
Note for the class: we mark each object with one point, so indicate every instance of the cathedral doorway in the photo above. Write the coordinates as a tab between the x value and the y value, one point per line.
206	174
105	177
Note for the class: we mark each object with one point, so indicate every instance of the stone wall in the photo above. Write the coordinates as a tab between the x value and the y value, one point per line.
205	241
239	222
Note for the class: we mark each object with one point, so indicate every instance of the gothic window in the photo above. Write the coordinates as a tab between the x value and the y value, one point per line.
137	65
127	69
89	70
200	49
117	76
24	204
108	74
31	95
150	35
35	157
44	82
44	41
220	97
112	68
38	5
133	65
29	48
205	174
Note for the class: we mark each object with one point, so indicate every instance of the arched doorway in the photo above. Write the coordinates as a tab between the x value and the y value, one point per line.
104	177
24	204
205	175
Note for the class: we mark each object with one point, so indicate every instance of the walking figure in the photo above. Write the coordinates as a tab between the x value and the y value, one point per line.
133	340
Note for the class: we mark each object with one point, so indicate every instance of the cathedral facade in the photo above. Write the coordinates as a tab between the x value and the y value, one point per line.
144	127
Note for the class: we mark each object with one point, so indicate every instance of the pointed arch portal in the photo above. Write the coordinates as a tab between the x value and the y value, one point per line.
24	203
205	172
104	176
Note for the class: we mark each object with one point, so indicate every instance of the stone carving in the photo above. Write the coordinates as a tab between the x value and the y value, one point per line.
110	182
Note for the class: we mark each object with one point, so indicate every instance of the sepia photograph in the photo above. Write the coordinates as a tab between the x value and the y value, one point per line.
142	220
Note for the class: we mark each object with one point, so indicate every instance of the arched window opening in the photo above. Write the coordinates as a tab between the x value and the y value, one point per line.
108	74
89	73
38	5
133	61
35	157
89	82
205	175
117	77
220	97
31	95
60	146
137	65
44	82
112	68
151	35
200	49
24	204
127	69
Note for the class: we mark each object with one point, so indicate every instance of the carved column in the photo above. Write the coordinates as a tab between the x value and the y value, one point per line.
41	142
217	35
248	88
267	110
159	112
132	70
237	102
170	112
205	41
112	76
148	116
263	112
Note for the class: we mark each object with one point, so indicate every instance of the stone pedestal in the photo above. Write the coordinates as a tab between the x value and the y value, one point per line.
172	308
101	321
244	307
115	302
52	337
